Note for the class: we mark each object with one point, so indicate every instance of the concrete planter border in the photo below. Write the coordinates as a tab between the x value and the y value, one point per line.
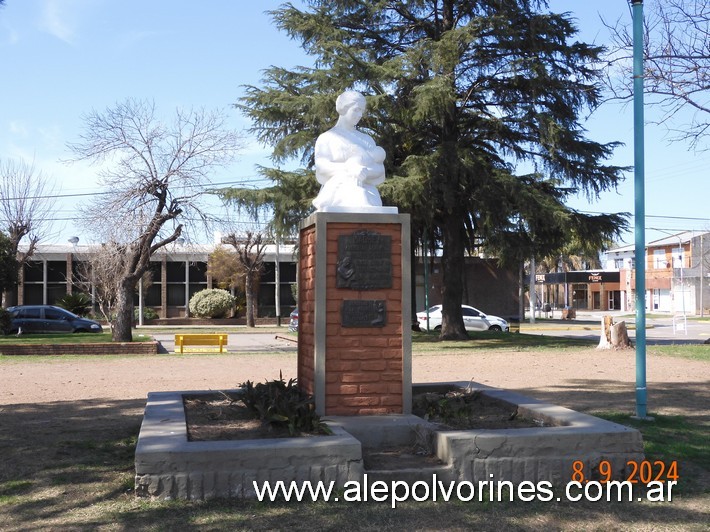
168	466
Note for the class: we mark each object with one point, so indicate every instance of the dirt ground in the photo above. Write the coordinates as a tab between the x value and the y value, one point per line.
585	380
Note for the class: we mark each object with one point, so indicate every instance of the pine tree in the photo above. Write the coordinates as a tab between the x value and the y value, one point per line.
477	105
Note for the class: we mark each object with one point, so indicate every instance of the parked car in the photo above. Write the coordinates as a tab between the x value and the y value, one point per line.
293	322
473	319
49	319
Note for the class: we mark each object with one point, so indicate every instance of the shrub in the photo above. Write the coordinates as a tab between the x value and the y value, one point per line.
211	303
283	404
149	313
77	302
5	321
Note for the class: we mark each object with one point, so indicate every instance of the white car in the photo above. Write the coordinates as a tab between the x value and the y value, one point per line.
473	319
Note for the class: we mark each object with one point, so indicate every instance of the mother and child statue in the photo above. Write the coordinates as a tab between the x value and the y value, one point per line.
349	164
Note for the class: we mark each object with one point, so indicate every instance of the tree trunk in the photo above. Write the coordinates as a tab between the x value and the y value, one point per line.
249	292
605	336
452	261
124	313
620	336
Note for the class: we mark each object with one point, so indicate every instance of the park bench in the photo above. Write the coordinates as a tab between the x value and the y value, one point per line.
187	343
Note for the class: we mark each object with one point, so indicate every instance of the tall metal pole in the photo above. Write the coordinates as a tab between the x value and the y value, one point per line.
277	287
702	285
639	214
426	277
533	291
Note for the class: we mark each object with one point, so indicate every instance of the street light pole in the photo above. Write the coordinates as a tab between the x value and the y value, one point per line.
639	211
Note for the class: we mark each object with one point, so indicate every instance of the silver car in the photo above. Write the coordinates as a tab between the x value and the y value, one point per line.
473	319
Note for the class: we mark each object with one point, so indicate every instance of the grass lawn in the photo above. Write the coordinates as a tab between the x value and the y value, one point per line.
84	481
690	351
428	341
65	338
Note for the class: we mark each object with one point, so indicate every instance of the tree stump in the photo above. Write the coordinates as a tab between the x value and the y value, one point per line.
620	336
613	335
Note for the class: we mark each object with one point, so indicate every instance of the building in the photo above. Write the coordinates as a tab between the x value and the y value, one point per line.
677	269
486	286
677	275
177	272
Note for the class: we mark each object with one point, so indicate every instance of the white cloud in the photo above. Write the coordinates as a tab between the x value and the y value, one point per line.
56	20
10	35
18	129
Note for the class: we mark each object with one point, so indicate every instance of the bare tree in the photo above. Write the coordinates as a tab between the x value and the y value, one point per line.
676	65
156	173
27	200
250	252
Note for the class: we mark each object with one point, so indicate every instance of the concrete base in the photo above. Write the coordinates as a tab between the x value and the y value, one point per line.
168	466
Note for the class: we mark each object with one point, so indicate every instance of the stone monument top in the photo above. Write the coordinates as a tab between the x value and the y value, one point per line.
349	164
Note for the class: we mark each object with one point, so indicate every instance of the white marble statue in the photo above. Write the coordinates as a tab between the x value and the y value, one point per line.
349	165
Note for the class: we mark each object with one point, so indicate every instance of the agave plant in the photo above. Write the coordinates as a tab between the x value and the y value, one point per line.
77	302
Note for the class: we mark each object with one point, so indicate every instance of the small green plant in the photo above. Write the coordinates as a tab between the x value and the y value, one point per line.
149	313
5	321
448	407
211	303
283	404
77	302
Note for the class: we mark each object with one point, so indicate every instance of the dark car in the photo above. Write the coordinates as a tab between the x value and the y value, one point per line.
49	319
293	322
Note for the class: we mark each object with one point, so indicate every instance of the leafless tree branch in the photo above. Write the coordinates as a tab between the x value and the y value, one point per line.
158	172
676	66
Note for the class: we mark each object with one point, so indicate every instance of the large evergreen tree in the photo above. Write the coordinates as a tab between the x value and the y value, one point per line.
477	104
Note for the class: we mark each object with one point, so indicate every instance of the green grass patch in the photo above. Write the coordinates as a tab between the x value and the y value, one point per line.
12	489
487	340
673	439
692	351
65	338
669	438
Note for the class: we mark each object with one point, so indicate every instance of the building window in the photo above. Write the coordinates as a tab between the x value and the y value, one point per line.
678	258
659	259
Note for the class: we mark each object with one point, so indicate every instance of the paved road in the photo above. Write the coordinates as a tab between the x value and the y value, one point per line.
256	342
658	330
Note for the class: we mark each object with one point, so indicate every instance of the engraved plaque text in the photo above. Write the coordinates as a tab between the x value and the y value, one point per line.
363	313
364	261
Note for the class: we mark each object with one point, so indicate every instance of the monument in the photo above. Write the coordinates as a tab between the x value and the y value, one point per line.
349	164
354	352
354	357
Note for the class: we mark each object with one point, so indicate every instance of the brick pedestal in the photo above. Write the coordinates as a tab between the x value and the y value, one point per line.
354	340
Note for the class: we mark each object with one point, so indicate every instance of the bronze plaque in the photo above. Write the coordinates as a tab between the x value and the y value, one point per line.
363	313
364	261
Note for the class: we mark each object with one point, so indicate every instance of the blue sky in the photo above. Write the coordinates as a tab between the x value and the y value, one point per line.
63	58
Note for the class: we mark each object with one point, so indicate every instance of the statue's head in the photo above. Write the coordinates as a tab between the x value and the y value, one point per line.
347	99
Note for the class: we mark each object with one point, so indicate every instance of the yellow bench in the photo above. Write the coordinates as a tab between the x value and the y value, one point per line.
219	341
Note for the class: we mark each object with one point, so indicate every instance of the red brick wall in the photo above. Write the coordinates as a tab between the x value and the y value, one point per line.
128	348
364	365
306	306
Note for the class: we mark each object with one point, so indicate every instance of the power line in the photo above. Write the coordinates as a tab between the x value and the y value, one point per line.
103	193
